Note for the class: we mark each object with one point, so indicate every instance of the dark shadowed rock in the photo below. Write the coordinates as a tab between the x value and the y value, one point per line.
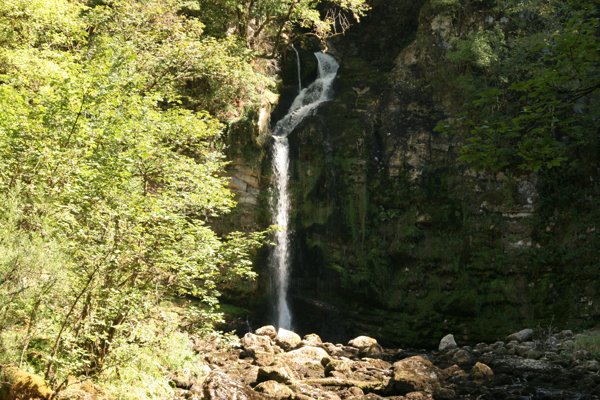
277	374
481	372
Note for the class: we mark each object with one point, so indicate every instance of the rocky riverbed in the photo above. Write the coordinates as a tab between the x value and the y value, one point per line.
279	364
271	364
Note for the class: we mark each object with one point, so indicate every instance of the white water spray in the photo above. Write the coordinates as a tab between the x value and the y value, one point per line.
304	105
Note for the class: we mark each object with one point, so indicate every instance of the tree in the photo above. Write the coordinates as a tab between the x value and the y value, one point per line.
266	25
109	185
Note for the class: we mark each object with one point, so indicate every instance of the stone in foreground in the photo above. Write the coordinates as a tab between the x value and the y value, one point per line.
268	330
362	342
481	372
275	390
287	340
221	386
415	374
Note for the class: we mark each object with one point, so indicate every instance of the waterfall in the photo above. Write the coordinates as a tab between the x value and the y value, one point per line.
299	69
304	105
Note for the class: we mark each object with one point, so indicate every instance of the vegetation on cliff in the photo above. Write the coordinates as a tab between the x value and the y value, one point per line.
531	79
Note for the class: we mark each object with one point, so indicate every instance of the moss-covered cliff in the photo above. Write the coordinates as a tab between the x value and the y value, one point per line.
397	238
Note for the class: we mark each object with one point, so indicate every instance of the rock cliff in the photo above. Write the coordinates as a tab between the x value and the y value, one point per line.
394	236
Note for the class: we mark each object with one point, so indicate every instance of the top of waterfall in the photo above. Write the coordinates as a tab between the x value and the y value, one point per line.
309	99
327	64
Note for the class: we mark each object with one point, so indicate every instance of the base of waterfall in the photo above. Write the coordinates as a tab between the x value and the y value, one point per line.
279	364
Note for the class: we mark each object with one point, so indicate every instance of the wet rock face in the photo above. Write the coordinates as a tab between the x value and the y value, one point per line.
390	222
393	235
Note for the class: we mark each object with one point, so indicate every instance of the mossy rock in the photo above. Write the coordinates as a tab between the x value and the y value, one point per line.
17	384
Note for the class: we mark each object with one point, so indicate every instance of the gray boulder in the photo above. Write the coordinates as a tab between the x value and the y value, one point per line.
447	343
521	336
287	340
221	386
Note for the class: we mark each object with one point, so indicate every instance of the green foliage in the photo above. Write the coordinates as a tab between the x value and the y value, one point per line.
539	106
266	24
109	186
154	351
588	341
478	50
442	5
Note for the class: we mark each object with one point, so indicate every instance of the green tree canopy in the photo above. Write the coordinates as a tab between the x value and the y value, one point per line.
534	80
108	184
265	25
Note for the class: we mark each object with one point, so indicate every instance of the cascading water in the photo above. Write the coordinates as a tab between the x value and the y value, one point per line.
299	69
304	105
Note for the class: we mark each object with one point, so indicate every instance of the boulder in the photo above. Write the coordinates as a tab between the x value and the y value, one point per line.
252	343
447	343
303	391
534	354
481	372
355	392
312	339
267	330
415	374
340	350
258	347
462	357
373	351
453	372
275	390
343	366
277	374
221	386
521	336
306	362
16	384
263	358
362	342
288	340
